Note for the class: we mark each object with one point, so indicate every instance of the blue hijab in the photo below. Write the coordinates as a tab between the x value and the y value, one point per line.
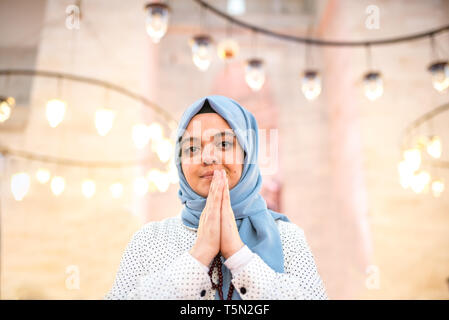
255	222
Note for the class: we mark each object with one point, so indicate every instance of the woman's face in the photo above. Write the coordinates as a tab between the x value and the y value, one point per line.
209	143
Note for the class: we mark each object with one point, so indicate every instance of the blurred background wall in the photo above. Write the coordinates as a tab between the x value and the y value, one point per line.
335	174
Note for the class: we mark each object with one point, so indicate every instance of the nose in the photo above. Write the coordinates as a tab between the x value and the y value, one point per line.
209	156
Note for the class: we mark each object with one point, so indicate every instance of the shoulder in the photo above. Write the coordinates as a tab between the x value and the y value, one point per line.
293	237
164	230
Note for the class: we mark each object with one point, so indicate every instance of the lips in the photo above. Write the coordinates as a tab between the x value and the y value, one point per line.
208	174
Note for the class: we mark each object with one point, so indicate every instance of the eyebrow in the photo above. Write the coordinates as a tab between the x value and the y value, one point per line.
220	134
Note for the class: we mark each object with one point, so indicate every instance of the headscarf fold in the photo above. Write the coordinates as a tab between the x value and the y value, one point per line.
255	222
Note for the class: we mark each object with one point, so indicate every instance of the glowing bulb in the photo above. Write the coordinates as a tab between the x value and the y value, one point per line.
255	74
6	105
88	188
116	190
164	149
157	20
311	84
440	75
141	135
420	181
162	183
140	186
373	85
159	179
227	49
172	174
434	148
155	131
55	112
43	176
405	174
201	46
413	158
57	185
104	119
437	187
20	184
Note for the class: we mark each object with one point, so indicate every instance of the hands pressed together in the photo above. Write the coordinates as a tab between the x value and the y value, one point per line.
217	229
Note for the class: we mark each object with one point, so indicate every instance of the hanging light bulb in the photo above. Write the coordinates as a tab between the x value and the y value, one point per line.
140	186
311	84
434	148
201	46
55	112
440	75
88	188
6	106
20	184
255	74
164	149
420	181
116	190
162	183
155	131
57	185
413	158
159	179
43	176
156	21
373	85
227	49
141	135
437	187
405	174
172	174
104	119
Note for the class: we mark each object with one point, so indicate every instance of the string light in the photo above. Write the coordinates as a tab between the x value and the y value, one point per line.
228	49
413	158
405	174
116	190
88	188
6	106
55	112
155	131
164	149
20	185
373	85
434	148
437	188
159	179
311	84
156	21
104	119
255	74
140	186
440	75
419	181
57	185
141	135
43	176
201	46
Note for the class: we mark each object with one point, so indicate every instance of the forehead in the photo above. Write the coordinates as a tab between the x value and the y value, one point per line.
206	125
208	121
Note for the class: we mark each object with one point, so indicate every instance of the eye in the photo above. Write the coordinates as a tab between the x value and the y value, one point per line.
226	144
189	150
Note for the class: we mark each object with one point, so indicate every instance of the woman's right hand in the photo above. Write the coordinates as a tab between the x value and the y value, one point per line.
207	244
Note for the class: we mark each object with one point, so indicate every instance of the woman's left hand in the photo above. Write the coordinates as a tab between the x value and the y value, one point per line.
230	241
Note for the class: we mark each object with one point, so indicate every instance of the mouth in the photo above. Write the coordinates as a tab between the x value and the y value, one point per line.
208	175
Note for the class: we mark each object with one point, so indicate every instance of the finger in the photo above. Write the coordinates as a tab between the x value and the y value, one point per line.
212	189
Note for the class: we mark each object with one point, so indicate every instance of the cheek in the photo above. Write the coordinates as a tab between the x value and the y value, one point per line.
235	172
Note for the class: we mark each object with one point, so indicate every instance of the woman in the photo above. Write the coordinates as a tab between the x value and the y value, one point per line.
226	243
